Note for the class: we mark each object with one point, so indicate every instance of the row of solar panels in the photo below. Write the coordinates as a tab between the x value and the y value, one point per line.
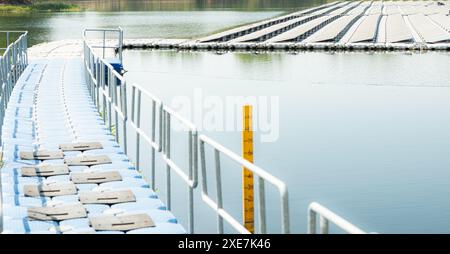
356	22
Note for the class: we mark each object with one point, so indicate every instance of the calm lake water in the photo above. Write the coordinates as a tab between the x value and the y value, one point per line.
364	134
367	135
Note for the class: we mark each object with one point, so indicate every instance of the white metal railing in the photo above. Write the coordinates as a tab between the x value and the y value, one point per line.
325	217
262	177
13	62
108	89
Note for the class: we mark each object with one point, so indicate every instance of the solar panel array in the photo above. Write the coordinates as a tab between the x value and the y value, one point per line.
387	22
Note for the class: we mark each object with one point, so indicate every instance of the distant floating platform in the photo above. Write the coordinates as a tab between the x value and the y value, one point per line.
349	25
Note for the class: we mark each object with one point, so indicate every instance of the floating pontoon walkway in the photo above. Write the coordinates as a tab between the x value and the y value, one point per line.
66	167
63	170
346	25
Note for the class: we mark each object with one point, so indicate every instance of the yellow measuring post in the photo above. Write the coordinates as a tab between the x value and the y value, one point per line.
247	175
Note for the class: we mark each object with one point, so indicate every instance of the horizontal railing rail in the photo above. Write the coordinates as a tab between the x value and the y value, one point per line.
325	217
13	62
262	176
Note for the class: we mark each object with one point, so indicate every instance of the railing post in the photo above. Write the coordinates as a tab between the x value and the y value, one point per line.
153	163
285	212
311	222
161	127
195	158
167	151
123	94
14	65
191	187
99	81
133	104
120	44
103	79
218	190
138	124
191	209
323	225
91	80
26	48
104	43
7	39
108	83
116	114
262	206
203	167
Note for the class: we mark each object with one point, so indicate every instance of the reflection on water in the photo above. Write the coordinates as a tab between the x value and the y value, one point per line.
149	18
197	5
59	26
367	135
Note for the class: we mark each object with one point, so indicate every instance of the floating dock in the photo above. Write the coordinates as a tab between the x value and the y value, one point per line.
348	25
66	167
63	171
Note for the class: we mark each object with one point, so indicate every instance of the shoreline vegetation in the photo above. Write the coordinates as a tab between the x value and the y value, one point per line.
26	6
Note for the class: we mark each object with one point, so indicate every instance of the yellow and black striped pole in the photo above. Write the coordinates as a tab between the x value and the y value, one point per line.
247	175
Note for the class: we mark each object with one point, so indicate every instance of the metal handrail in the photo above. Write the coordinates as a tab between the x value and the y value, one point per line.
13	62
108	89
102	82
118	31
109	92
326	216
262	175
